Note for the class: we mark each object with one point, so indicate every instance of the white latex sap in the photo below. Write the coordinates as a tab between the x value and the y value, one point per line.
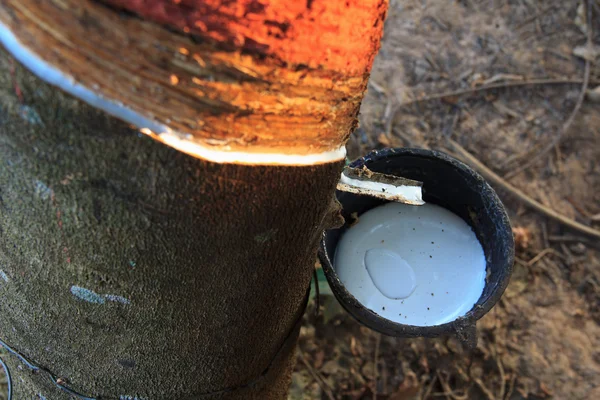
416	265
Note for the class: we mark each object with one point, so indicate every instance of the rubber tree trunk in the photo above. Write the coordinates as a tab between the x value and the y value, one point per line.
129	269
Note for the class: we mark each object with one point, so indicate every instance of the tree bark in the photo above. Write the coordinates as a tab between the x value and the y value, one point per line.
272	93
129	269
193	275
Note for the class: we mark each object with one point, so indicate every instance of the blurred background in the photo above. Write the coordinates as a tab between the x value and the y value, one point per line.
500	79
512	85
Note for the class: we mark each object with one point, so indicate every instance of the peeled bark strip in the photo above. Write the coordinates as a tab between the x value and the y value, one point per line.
239	79
387	187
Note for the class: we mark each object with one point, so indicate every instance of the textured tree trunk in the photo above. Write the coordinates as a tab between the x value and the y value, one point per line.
129	269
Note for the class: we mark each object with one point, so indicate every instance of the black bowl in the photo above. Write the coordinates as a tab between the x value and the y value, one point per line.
450	184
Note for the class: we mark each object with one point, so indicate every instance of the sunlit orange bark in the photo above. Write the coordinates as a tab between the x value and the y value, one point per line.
341	36
272	77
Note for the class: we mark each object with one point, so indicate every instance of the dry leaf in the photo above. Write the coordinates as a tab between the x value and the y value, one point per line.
593	95
452	100
354	348
368	370
504	109
476	79
589	53
319	357
409	389
424	363
522	237
331	367
545	389
384	140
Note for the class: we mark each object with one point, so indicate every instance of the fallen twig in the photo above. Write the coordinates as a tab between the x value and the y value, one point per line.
429	388
315	375
448	392
542	254
483	88
536	16
572	239
520	261
501	370
375	369
484	389
497	180
569	121
511	387
578	207
488	394
378	88
317	292
391	114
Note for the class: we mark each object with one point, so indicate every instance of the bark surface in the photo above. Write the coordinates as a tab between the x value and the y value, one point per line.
135	270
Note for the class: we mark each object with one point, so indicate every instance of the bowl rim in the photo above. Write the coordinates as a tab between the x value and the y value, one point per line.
383	325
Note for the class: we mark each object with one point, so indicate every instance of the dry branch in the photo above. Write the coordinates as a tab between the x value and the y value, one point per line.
497	180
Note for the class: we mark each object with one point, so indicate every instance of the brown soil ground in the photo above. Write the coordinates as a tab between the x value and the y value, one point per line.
542	340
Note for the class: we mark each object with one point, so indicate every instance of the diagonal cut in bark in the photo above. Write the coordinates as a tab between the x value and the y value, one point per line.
230	88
